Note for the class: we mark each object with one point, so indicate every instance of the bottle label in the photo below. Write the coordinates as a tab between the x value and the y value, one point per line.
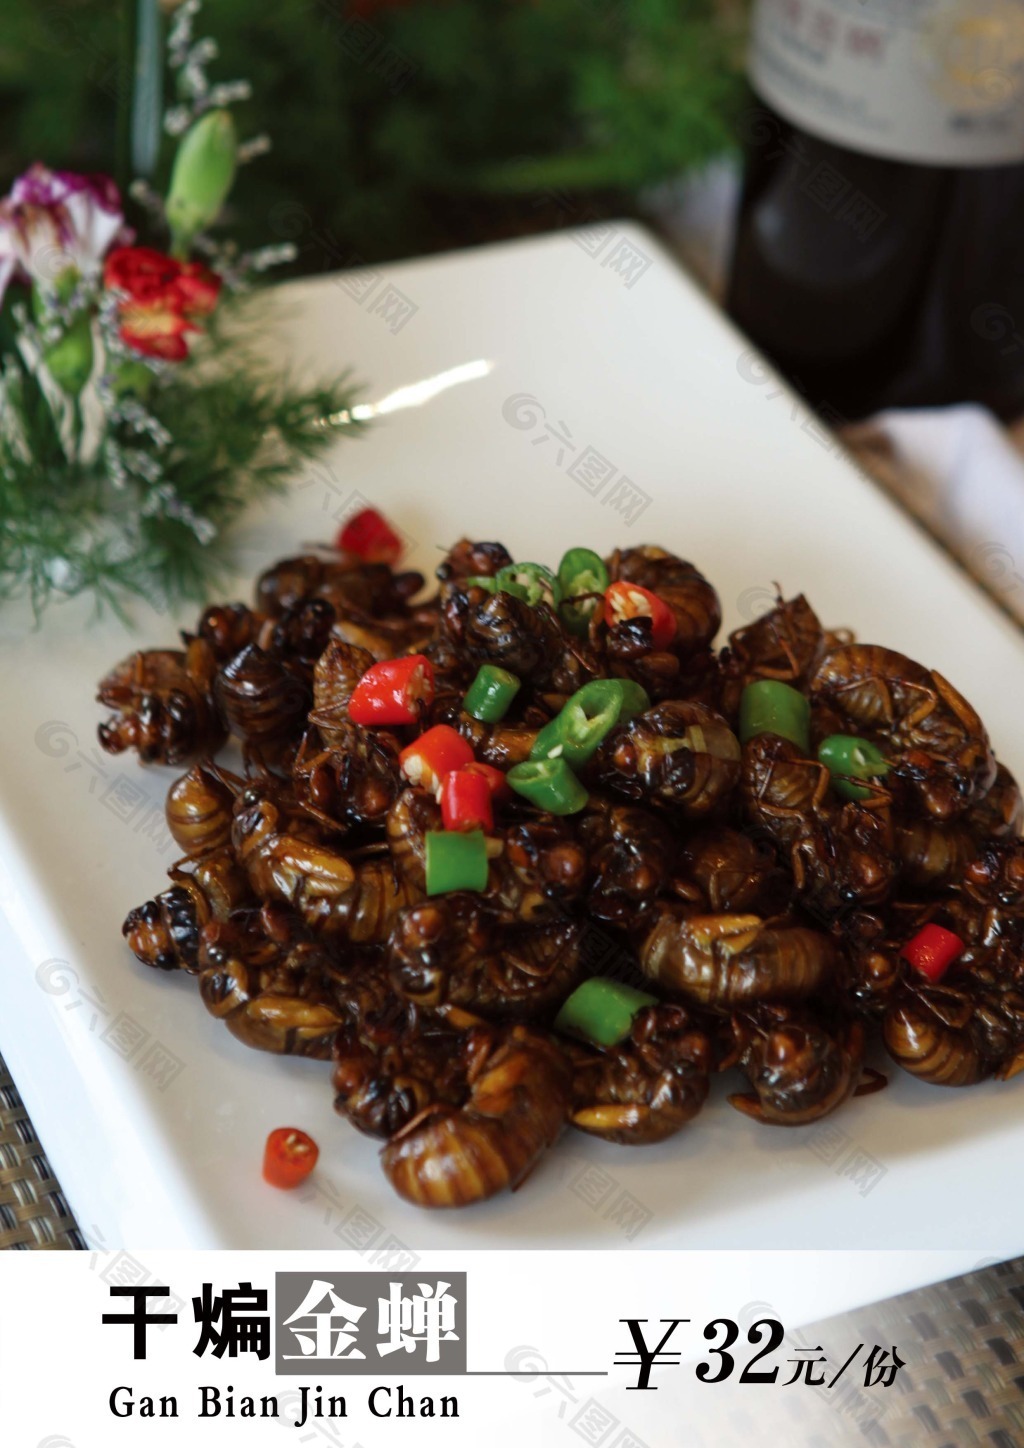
933	81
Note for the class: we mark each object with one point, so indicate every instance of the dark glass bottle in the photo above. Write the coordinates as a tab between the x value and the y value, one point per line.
876	280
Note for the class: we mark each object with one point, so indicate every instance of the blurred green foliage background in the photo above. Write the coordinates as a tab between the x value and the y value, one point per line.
402	126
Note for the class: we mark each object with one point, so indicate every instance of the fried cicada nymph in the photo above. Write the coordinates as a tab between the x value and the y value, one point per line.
532	855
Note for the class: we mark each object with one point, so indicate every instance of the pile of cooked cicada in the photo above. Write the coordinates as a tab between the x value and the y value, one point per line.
532	853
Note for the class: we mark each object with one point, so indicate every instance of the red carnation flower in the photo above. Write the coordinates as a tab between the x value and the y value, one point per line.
163	297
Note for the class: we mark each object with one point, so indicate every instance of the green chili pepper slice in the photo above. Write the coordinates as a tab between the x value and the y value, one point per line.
530	581
456	860
481	581
549	784
848	759
769	707
489	697
587	718
581	571
635	698
602	1011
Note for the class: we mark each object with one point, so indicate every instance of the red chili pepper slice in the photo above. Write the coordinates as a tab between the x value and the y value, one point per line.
393	692
433	755
370	537
466	801
289	1157
497	783
628	600
933	950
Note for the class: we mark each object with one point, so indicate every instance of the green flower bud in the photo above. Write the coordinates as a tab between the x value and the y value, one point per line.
69	361
204	169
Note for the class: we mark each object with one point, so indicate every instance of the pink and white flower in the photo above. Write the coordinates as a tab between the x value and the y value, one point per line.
54	222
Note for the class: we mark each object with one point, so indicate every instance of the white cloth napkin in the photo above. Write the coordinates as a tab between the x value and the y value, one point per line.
956	468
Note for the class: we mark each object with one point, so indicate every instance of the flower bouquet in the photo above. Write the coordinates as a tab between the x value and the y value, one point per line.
134	422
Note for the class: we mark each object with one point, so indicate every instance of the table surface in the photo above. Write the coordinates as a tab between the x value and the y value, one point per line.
961	1345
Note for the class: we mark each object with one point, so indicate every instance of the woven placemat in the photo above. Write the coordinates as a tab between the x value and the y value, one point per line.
33	1212
961	1385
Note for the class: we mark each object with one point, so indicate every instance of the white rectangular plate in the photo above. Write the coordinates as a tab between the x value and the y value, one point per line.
153	1115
